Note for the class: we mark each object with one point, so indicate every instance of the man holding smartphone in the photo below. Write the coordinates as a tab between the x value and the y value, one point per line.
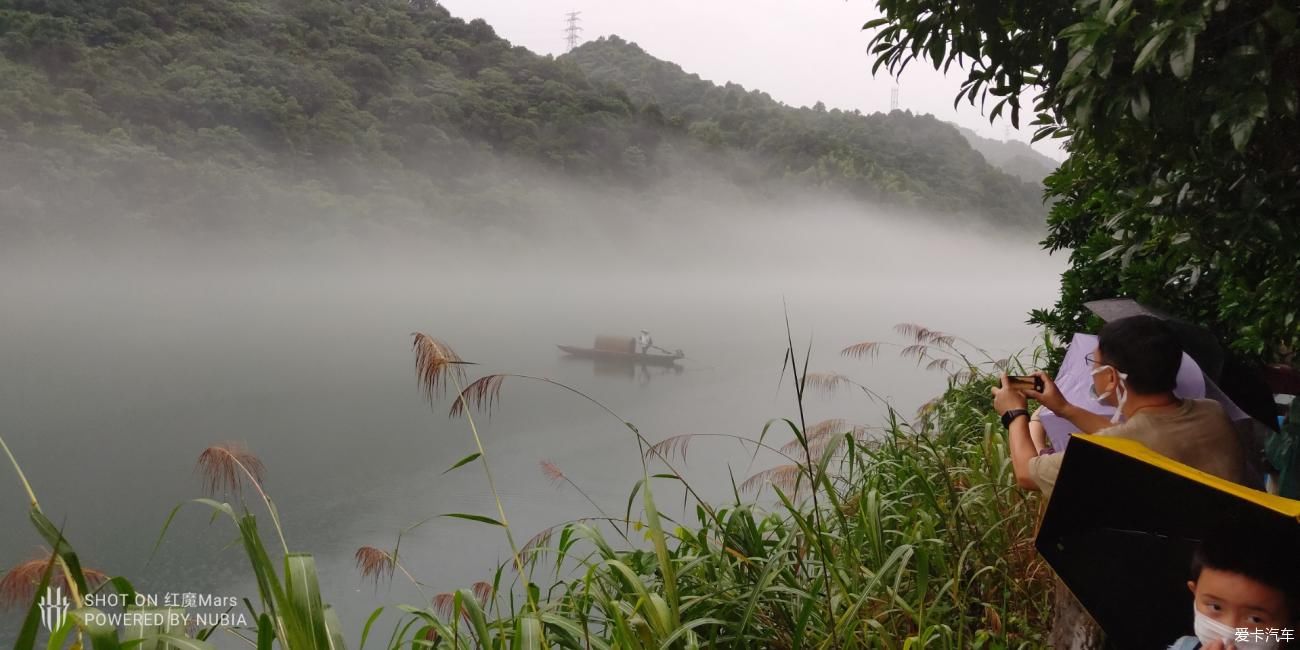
1135	369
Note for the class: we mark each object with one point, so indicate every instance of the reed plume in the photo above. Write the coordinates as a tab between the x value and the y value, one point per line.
485	391
925	335
557	476
920	351
483	592
435	364
374	563
822	434
939	364
536	542
787	477
936	350
18	585
483	395
818	440
678	445
673	447
225	465
868	349
445	603
552	472
826	426
826	382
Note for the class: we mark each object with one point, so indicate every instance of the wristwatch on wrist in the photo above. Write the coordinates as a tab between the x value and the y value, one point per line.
1010	416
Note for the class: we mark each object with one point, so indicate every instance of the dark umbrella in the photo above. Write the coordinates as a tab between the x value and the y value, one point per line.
1121	527
1241	382
1196	340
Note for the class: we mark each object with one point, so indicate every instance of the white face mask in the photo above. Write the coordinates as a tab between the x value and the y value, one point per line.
1208	630
1120	389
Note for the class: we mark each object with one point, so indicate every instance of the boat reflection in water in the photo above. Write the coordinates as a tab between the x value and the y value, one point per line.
614	356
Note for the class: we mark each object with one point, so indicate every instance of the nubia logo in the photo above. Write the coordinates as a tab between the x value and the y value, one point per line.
54	608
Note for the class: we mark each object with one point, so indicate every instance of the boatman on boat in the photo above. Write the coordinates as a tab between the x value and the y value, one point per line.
644	341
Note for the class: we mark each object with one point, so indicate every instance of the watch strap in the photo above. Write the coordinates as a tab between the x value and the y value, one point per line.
1011	415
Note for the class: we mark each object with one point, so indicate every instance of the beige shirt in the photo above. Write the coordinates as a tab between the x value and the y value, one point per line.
1198	433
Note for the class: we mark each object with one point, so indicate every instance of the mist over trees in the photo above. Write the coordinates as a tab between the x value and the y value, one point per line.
895	157
1012	156
308	118
1182	186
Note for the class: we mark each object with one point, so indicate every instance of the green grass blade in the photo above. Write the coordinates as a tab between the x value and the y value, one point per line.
464	461
573	630
302	587
287	629
528	634
57	638
265	632
102	637
334	629
479	518
54	537
32	621
689	629
365	630
665	558
466	602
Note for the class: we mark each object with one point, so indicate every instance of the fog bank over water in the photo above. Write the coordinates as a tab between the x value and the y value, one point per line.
124	359
707	225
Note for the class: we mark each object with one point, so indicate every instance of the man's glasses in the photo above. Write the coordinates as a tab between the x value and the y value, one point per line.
1090	358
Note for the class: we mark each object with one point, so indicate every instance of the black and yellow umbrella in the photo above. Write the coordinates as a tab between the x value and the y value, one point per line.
1123	522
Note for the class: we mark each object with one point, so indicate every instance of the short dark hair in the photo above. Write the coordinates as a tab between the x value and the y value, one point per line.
1263	555
1145	349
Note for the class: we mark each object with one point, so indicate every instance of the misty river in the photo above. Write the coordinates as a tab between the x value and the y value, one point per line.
119	370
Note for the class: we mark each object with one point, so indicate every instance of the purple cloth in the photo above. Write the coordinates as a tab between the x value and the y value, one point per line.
1075	377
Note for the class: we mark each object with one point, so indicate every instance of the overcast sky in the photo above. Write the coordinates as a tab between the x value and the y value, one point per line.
799	51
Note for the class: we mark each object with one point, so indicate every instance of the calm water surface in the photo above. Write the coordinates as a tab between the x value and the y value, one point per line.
114	380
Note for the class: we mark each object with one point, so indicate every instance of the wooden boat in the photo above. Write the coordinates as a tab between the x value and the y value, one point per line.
622	357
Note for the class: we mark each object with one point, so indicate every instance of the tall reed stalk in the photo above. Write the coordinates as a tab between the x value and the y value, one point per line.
907	535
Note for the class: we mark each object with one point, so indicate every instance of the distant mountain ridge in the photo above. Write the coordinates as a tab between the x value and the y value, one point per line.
896	157
316	115
1012	156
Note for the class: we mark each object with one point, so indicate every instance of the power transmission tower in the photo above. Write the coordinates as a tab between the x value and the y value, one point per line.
571	32
893	98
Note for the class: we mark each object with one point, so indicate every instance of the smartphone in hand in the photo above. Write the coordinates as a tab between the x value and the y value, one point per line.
1026	382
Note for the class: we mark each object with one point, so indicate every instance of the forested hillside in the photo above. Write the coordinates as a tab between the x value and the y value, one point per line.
243	115
913	159
1011	156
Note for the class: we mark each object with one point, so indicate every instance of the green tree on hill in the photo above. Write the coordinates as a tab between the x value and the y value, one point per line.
898	157
370	102
1182	187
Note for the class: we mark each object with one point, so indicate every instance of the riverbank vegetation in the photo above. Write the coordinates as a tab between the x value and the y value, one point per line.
1182	186
907	534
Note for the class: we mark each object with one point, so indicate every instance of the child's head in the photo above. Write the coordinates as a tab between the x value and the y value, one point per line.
1245	579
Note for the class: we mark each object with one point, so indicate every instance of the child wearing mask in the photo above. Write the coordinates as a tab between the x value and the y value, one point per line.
1245	591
